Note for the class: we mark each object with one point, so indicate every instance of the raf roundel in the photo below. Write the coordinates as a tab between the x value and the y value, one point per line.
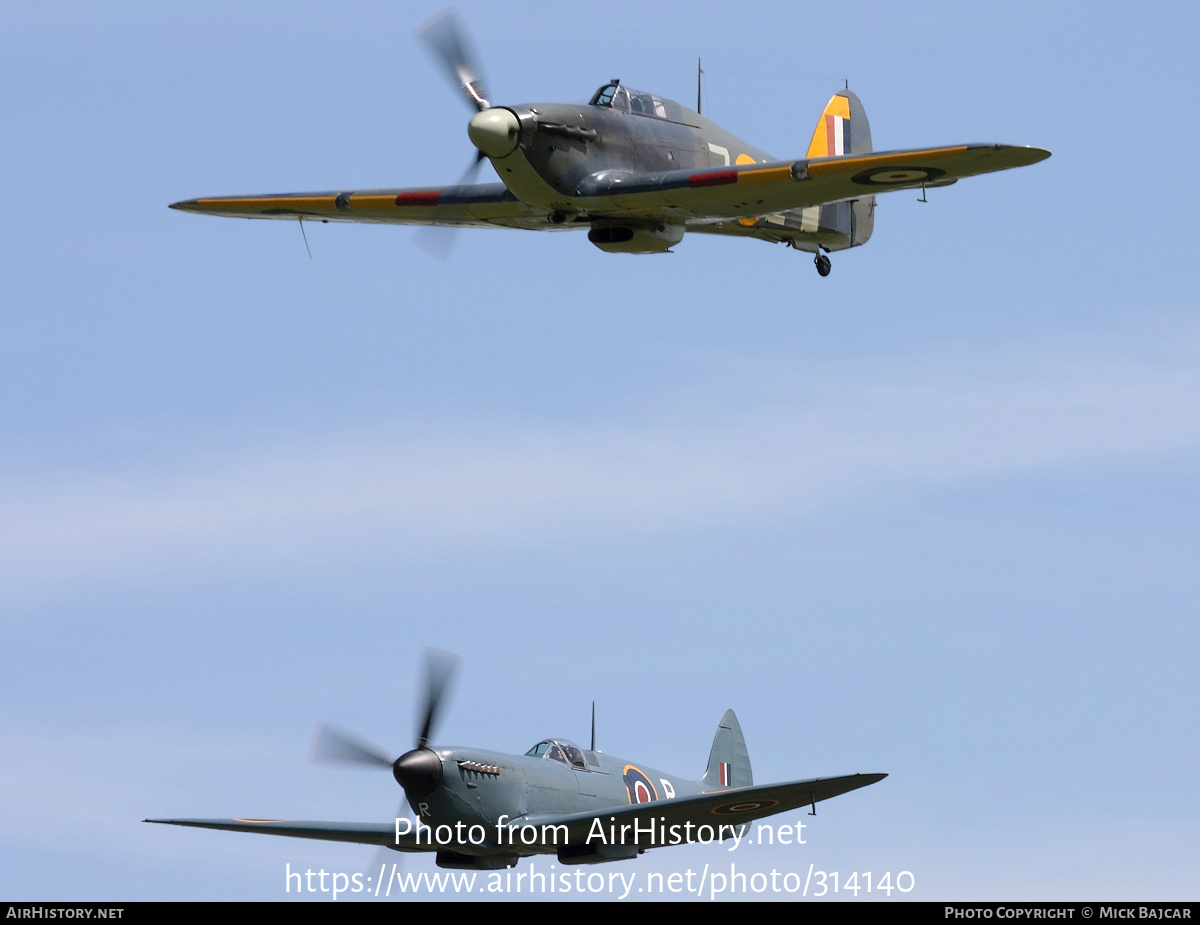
743	806
899	176
638	786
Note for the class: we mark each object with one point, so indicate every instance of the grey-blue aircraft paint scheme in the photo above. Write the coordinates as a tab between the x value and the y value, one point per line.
484	810
638	171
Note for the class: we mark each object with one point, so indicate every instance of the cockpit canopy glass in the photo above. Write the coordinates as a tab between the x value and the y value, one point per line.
604	96
626	99
564	751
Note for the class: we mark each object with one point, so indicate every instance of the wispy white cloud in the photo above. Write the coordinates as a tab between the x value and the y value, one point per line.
759	443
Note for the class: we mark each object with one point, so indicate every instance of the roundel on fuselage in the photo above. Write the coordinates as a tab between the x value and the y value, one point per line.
638	786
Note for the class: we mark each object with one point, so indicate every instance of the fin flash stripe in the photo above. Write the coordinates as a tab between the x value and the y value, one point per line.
831	137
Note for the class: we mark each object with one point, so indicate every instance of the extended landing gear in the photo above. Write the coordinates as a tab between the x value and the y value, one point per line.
822	263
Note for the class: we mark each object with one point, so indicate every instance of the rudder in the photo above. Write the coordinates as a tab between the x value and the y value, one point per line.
728	761
842	129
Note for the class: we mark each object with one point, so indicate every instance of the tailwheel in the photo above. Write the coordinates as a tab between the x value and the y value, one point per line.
823	264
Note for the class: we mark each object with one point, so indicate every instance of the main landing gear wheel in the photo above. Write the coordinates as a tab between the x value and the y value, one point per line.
823	264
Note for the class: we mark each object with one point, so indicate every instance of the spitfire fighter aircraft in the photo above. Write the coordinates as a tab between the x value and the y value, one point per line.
484	810
638	171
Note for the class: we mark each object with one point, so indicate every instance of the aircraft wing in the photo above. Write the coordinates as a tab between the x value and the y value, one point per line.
695	197
660	823
480	206
673	819
722	193
365	833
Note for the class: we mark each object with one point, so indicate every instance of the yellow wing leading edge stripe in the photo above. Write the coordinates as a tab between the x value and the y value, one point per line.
858	161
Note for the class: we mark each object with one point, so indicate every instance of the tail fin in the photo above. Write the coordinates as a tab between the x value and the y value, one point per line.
842	129
728	762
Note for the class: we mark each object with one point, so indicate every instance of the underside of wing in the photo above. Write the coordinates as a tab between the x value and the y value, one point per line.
481	206
673	822
366	833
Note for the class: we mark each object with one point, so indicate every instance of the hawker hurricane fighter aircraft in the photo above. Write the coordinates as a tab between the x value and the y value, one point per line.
484	810
638	170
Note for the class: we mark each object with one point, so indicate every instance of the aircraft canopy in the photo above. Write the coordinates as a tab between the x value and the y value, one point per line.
565	751
626	99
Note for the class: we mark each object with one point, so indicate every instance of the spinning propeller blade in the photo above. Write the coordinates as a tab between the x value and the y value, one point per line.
332	744
449	44
419	770
439	670
438	240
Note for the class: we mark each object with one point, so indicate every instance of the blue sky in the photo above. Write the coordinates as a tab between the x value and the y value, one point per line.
934	515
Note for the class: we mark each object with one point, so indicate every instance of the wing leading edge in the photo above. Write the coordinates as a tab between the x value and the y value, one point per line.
365	833
481	206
